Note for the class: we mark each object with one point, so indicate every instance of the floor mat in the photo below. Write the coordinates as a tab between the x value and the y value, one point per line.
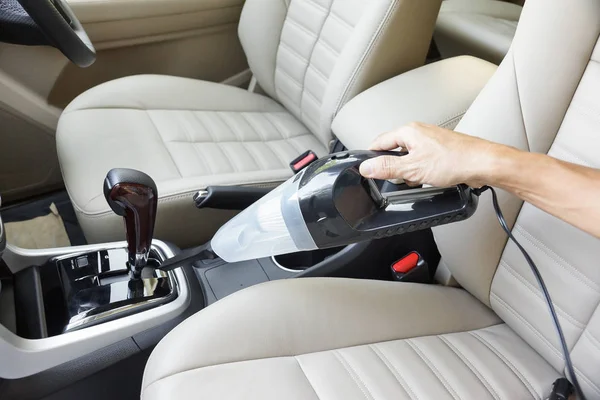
39	233
45	232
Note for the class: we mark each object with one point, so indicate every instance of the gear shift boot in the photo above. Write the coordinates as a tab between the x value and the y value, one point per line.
97	287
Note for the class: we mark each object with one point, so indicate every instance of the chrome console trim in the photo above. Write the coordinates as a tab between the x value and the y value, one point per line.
23	357
295	271
87	319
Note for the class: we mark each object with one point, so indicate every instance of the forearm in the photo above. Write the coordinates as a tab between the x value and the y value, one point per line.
568	191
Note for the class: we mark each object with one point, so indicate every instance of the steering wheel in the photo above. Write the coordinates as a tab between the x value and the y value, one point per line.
62	29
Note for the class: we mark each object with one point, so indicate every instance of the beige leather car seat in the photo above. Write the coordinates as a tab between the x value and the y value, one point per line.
309	56
481	28
344	339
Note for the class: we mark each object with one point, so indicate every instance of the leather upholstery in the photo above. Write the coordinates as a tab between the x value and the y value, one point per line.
433	342
310	56
331	50
439	93
519	107
183	147
325	342
481	28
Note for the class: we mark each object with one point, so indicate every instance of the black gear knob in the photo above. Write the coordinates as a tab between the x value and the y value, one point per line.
133	195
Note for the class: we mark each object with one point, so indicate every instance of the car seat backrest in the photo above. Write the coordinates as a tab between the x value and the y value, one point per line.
315	55
543	98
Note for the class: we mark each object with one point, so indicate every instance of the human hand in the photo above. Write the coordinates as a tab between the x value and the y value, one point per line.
436	156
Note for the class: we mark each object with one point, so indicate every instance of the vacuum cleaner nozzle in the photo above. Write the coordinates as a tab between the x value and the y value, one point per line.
330	204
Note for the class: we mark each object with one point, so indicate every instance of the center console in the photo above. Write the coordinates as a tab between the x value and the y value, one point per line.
63	305
84	289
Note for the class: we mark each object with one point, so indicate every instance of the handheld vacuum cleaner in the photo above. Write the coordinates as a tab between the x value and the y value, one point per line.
330	204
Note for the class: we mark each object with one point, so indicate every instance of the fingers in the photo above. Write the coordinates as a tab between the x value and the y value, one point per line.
390	140
384	167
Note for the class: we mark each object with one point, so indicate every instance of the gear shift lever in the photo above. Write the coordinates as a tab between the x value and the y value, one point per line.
133	195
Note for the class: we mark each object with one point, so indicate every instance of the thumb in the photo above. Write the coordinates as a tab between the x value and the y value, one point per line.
384	167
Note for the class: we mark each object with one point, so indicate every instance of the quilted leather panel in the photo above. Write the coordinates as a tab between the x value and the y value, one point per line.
212	143
566	256
316	55
491	363
314	35
186	134
544	101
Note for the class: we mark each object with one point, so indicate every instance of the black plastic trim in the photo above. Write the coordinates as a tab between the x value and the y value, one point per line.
29	304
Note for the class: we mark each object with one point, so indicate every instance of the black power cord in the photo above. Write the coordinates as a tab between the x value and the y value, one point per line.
542	285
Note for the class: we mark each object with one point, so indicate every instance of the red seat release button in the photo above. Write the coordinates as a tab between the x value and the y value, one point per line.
304	162
405	264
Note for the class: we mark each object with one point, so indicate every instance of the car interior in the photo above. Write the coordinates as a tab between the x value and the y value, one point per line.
146	147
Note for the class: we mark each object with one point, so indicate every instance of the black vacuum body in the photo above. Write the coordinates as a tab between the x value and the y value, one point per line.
330	204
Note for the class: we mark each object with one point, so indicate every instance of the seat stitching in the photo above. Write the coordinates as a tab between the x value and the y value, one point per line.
278	128
216	142
287	96
209	130
201	157
162	140
312	52
187	133
266	142
306	377
232	129
254	128
293	144
289	48
394	371
293	51
328	46
240	140
452	118
508	363
316	5
247	141
283	162
295	82
537	293
433	369
170	109
310	119
320	73
593	339
255	159
300	26
342	21
354	375
528	325
572	270
469	365
512	56
193	144
172	197
228	157
374	40
587	380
